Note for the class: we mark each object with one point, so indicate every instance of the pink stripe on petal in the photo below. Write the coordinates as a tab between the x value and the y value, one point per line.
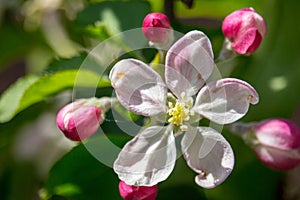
148	158
278	133
225	101
138	87
209	154
189	63
277	159
245	29
248	42
253	98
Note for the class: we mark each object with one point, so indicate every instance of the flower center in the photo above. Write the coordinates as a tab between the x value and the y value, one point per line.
179	111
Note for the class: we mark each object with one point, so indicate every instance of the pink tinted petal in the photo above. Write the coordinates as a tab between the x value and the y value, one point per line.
60	118
253	19
84	123
255	43
248	42
64	114
156	27
139	88
245	29
278	133
78	121
239	21
276	158
148	158
232	25
209	154
131	192
189	62
225	101
247	9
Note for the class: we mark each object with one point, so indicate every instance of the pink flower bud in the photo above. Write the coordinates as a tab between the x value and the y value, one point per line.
156	27
245	29
78	120
130	192
277	159
278	133
278	143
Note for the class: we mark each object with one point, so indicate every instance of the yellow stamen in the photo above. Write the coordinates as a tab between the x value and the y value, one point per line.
177	114
179	111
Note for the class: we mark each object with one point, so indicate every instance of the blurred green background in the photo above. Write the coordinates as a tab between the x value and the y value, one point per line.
44	42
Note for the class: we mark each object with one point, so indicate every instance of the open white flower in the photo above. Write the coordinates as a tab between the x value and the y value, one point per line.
150	156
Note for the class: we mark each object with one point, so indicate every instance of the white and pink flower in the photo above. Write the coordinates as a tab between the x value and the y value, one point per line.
179	103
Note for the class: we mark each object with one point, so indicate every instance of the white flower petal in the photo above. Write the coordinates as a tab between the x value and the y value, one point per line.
148	158
225	101
139	88
189	62
209	154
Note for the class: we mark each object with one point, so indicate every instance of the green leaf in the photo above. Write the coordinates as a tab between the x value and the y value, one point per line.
110	14
65	64
33	89
67	189
15	42
107	20
80	175
60	75
11	97
190	192
213	8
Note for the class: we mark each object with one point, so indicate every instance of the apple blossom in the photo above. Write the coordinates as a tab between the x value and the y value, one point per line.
150	156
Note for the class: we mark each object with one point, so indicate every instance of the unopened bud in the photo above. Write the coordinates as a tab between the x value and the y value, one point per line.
278	133
278	143
245	30
130	192
156	26
157	29
79	120
277	159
